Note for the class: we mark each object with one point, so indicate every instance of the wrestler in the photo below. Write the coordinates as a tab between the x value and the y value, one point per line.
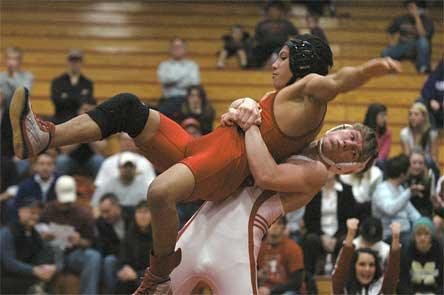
213	166
220	244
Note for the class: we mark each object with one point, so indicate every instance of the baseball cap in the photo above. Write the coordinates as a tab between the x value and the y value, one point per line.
128	158
75	53
65	189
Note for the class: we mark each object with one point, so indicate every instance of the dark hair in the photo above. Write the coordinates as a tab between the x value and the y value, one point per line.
397	166
371	230
142	204
275	3
370	117
202	93
353	285
111	197
309	54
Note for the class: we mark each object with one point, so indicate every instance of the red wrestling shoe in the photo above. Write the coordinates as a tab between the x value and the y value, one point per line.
156	280
31	135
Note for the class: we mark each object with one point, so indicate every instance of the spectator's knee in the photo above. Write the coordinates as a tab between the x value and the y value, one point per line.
159	196
423	43
93	256
109	261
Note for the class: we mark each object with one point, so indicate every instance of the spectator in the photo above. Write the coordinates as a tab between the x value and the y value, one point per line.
438	205
312	21
39	186
110	166
419	177
237	43
112	226
419	135
14	76
192	127
69	90
25	260
325	217
176	75
391	202
129	187
84	158
370	236
271	33
359	272
432	96
280	262
136	244
376	118
78	257
415	31
197	106
295	225
422	264
363	185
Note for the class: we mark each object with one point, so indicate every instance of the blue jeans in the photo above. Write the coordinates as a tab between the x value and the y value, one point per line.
66	165
110	273
87	262
419	48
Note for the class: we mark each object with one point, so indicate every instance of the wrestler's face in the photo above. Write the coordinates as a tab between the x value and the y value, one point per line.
365	268
281	69
343	146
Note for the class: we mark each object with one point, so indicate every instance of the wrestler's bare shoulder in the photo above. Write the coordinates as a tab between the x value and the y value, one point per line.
314	172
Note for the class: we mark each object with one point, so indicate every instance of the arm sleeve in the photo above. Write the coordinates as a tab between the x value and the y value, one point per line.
8	256
393	27
412	213
386	204
404	276
166	74
29	79
384	149
428	92
340	274
391	274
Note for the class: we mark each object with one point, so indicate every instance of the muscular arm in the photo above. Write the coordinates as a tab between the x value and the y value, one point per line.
303	178
325	88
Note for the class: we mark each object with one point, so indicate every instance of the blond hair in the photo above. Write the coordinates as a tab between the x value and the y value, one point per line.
370	148
423	109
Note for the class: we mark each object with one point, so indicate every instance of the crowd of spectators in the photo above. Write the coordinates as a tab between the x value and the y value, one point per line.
356	222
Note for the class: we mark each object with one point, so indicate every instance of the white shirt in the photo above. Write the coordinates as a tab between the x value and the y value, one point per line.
363	187
44	185
110	169
329	209
183	73
128	195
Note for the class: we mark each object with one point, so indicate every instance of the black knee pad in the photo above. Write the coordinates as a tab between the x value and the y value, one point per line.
121	113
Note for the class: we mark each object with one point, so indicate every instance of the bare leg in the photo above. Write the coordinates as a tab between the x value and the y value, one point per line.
81	129
172	186
221	60
242	57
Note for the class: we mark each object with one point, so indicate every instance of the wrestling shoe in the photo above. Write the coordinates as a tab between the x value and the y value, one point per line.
156	280
31	135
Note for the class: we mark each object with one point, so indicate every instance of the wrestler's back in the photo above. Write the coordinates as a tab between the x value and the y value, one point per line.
221	242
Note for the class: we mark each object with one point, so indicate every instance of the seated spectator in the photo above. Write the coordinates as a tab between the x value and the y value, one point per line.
359	272
133	256
39	186
129	187
391	202
438	206
197	106
110	166
415	31
419	177
176	75
14	76
370	236
192	127
363	185
84	158
112	226
237	43
376	118
432	96
324	219
295	225
280	262
79	256
69	90
419	135
312	21
271	33
422	266
25	261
